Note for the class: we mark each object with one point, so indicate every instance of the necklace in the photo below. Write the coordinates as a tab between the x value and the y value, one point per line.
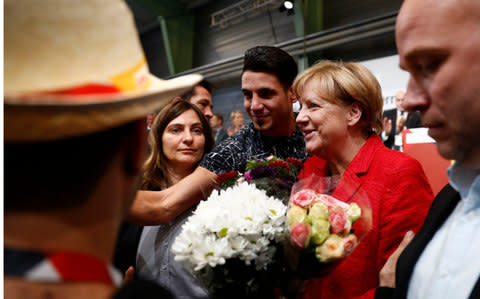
59	266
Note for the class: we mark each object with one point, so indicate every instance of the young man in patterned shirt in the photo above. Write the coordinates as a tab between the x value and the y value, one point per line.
267	76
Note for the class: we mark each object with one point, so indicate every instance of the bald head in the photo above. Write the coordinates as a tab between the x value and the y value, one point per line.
399	97
439	44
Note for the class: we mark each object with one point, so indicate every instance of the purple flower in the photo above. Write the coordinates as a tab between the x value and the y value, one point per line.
263	171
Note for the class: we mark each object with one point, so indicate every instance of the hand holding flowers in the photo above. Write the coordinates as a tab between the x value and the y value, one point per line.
234	231
233	243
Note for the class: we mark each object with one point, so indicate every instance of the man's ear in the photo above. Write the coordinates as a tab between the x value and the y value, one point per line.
136	147
354	114
176	99
291	95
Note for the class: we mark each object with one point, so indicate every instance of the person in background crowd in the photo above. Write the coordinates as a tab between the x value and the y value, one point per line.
179	138
73	148
150	118
392	135
200	96
237	119
442	259
267	76
219	132
341	117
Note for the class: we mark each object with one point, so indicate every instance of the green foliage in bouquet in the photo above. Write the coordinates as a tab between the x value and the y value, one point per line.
274	175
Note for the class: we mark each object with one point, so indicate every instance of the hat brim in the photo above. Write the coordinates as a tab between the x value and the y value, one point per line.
59	117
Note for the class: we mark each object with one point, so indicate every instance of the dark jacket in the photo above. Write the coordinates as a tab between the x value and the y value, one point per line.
413	121
442	207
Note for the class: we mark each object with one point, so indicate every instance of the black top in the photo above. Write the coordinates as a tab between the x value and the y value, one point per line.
247	144
142	289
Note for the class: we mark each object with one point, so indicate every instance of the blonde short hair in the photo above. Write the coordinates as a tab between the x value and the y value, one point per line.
346	83
235	112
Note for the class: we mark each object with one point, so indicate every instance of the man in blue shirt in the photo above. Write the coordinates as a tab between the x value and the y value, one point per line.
439	44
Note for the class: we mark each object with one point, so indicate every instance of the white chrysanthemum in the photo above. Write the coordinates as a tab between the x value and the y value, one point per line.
239	222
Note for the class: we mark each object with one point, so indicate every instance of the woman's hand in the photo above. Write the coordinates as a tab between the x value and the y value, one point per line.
129	275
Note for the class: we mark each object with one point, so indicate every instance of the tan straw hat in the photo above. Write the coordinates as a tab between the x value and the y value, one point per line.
75	67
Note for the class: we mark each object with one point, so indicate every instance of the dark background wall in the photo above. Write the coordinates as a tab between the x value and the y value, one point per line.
267	26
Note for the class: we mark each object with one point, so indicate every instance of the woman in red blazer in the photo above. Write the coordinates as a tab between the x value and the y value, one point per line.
341	117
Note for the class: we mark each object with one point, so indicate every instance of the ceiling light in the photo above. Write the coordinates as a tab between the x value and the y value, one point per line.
288	4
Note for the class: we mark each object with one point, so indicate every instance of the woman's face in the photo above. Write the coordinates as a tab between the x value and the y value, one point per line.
324	124
183	140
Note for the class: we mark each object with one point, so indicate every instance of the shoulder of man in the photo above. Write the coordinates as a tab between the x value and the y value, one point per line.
231	153
390	113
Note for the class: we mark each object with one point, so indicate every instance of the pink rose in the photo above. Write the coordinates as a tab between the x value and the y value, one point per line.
247	176
331	202
349	244
300	235
304	198
339	223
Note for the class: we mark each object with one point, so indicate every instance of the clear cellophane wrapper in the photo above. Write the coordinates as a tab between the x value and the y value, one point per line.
327	218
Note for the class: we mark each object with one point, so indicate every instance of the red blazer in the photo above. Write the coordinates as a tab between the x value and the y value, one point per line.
400	197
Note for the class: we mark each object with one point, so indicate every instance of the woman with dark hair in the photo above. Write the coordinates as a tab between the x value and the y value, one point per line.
179	138
167	164
341	117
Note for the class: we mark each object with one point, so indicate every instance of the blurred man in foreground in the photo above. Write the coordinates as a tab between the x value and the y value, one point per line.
77	91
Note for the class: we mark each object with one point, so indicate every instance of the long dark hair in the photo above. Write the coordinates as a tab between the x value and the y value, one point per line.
154	176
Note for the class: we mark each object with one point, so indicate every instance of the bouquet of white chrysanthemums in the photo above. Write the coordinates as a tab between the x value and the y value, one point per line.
231	240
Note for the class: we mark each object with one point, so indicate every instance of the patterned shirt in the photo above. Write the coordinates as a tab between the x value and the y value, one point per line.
249	144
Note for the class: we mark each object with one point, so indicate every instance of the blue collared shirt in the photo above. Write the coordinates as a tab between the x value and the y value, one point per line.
450	265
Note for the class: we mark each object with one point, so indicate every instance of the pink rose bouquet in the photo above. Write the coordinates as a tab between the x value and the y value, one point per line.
322	228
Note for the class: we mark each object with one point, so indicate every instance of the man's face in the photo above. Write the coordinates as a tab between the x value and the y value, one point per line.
215	122
267	103
439	44
399	97
203	100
